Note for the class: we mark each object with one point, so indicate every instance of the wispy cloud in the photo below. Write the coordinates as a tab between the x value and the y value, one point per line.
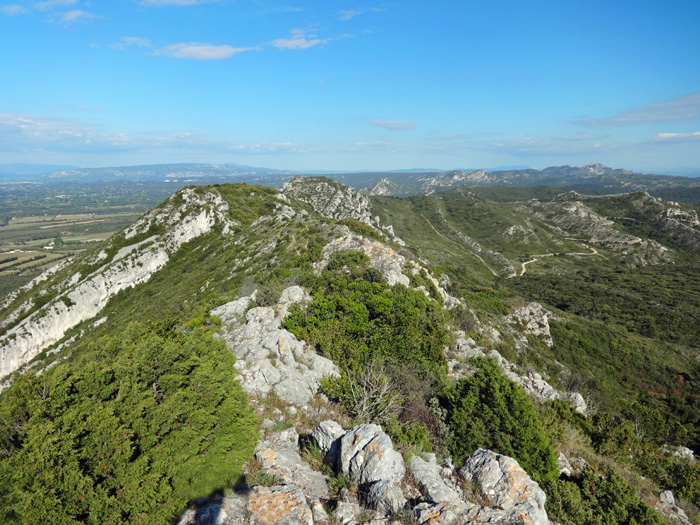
77	14
349	14
685	107
549	146
200	51
13	10
131	41
394	125
27	133
52	4
302	39
678	137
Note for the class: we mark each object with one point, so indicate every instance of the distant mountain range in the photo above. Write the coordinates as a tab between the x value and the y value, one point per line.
592	178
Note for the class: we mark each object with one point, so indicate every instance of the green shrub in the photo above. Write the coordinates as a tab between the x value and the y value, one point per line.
155	420
488	410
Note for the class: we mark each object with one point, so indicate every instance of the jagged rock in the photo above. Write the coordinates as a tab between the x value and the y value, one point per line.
670	510
327	436
532	319
532	382
563	465
381	257
680	452
278	455
578	465
367	455
432	485
271	359
87	295
506	487
329	198
234	311
346	512
277	505
385	497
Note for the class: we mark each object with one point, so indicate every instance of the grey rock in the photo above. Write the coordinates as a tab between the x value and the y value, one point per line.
441	513
329	198
346	512
670	510
432	485
667	499
563	465
327	436
279	505
270	359
385	497
578	465
279	455
367	455
234	311
507	487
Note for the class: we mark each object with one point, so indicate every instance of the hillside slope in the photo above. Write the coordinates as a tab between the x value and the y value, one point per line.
418	315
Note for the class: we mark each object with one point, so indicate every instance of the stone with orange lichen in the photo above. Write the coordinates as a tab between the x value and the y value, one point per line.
507	487
367	455
278	505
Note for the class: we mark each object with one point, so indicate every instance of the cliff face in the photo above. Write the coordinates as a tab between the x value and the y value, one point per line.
82	297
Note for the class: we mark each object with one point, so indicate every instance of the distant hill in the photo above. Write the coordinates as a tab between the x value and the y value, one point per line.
20	169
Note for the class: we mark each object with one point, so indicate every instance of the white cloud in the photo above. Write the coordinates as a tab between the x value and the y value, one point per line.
349	14
685	107
27	133
199	51
536	146
301	39
50	4
77	14
394	125
677	137
131	41
13	10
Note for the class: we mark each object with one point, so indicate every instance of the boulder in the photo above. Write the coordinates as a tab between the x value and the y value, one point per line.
327	437
278	455
367	455
506	487
385	497
431	483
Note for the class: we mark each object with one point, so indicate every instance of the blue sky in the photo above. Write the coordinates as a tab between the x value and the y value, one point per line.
343	85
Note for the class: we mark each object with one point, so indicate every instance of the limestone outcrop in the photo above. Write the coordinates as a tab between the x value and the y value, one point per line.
268	357
501	492
185	216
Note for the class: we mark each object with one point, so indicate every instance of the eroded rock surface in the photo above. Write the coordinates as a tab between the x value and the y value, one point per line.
269	358
185	216
507	487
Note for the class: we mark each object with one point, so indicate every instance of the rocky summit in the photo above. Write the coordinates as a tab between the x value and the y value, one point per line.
248	355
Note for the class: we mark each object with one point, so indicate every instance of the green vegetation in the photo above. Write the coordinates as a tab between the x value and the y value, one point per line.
488	410
154	421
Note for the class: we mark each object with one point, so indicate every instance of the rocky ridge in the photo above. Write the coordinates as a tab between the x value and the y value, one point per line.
84	296
365	455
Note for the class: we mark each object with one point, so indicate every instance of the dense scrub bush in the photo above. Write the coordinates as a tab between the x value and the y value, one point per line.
591	499
154	420
488	410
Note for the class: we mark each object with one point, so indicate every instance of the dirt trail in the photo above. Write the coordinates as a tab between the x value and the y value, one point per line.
537	257
458	244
